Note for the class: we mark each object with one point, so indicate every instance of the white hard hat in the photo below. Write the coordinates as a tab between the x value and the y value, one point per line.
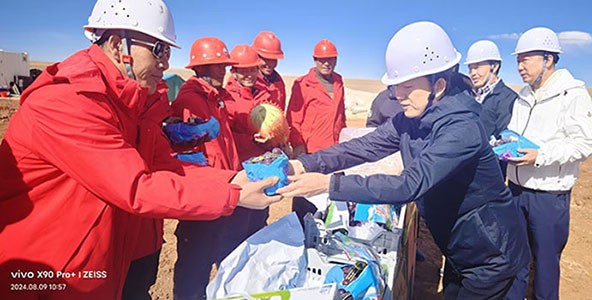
418	49
151	17
538	39
482	51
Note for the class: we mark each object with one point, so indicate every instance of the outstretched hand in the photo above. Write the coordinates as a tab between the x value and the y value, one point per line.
306	185
295	167
261	139
252	194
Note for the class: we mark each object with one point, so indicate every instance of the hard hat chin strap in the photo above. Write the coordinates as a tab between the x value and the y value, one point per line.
236	79
390	92
486	85
537	82
448	77
126	57
432	95
431	99
491	67
206	79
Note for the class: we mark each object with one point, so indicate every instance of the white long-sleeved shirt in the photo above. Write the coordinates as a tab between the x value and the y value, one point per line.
558	118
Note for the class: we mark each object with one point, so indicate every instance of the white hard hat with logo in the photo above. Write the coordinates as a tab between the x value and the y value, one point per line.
538	39
151	17
484	50
418	49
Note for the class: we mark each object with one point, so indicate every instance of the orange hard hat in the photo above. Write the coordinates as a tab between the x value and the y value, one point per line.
245	57
324	49
268	45
208	51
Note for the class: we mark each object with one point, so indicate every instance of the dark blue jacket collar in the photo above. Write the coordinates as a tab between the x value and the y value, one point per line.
460	103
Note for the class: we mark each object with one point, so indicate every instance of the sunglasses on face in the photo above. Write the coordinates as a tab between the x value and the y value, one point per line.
159	49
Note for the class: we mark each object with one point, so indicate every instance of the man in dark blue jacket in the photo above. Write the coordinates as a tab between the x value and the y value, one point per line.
450	170
496	98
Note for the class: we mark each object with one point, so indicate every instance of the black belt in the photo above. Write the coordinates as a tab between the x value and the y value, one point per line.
511	184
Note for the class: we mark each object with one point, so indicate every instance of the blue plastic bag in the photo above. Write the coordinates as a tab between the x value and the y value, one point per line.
379	213
363	279
186	132
509	143
357	280
257	170
195	157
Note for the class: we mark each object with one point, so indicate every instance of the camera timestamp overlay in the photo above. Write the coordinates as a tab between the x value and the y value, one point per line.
47	280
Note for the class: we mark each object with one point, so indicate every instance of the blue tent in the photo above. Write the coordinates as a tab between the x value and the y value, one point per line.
174	83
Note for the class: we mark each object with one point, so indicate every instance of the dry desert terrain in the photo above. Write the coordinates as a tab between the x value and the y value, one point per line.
576	262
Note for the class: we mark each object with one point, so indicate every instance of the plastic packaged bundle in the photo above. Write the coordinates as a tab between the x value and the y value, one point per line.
338	216
384	214
271	163
508	144
362	277
184	135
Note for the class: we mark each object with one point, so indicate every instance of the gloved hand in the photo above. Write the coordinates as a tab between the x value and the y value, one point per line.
212	126
196	157
187	132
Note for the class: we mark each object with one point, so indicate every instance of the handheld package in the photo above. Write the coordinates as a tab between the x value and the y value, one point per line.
186	135
274	163
508	144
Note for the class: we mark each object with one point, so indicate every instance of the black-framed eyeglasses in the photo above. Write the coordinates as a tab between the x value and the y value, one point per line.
159	49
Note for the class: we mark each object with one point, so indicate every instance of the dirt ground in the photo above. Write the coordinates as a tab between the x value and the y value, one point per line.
8	106
576	263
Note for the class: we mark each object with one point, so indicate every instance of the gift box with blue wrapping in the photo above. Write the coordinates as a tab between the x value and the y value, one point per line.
274	163
508	144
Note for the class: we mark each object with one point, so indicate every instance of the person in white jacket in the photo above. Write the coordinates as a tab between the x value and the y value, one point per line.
554	111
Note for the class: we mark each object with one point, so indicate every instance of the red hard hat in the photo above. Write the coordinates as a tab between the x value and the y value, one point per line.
268	45
208	51
324	49
245	56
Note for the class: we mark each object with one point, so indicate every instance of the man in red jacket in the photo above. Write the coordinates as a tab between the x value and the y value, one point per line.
247	92
82	165
316	111
269	48
201	243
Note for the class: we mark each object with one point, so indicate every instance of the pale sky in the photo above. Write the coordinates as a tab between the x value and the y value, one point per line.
52	30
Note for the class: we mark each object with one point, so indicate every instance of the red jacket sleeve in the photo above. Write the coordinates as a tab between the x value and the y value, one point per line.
295	115
90	148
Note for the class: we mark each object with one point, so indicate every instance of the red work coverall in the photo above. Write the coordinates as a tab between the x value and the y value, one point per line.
276	87
239	109
315	118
